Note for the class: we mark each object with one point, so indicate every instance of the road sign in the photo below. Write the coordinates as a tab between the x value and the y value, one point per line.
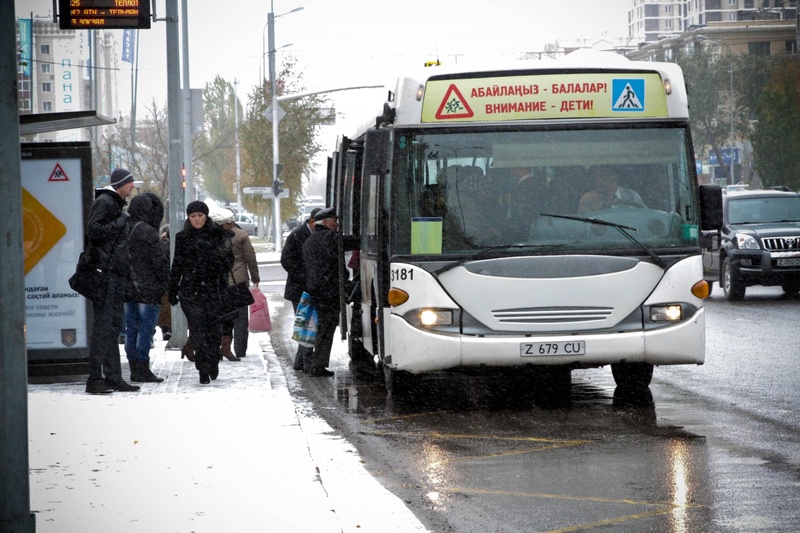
266	192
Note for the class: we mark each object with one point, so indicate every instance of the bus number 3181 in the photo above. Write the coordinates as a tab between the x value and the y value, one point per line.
403	274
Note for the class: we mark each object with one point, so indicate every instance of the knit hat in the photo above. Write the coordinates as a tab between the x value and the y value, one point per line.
119	177
222	216
197	207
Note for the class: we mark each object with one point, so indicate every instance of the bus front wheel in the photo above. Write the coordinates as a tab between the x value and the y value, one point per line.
632	375
398	382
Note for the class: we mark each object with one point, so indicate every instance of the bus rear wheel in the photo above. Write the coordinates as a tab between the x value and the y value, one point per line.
632	375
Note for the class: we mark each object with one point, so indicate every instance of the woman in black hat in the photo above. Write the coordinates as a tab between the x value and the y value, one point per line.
200	269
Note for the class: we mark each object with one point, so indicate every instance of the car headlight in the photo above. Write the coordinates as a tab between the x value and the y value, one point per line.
746	242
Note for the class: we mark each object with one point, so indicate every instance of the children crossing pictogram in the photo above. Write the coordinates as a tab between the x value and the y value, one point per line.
58	174
627	95
454	105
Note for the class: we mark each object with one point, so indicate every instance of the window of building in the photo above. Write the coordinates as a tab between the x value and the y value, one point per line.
44	49
731	16
45	68
732	2
791	47
668	24
667	9
46	88
748	4
24	104
758	48
24	85
47	106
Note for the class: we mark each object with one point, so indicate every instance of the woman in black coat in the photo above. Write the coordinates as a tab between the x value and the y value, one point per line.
199	274
149	266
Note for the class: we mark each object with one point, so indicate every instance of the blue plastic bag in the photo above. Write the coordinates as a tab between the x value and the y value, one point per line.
305	322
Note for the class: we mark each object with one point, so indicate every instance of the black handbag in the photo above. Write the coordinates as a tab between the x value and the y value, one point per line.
234	297
87	279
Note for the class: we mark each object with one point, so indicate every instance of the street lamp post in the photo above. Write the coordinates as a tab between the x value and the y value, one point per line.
276	166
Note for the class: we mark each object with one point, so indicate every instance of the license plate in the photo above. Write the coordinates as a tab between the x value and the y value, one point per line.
546	349
789	262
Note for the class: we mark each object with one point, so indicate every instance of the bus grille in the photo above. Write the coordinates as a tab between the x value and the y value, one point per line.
550	315
782	243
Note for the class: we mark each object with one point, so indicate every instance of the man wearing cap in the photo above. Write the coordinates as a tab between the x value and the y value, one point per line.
321	260
292	263
108	250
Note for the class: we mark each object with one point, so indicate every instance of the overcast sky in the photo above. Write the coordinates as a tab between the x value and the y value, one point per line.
355	42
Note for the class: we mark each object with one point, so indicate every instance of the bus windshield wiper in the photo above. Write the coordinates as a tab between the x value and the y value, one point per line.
622	229
483	251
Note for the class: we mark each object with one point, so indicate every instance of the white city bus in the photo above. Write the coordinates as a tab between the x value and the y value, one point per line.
460	266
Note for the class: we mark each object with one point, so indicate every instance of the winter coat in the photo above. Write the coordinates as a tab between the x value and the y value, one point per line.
321	261
292	262
201	264
106	232
149	258
245	265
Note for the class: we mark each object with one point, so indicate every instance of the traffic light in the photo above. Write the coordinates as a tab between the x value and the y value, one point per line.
277	184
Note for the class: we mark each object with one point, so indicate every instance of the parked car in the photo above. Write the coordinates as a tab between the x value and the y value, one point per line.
248	223
759	243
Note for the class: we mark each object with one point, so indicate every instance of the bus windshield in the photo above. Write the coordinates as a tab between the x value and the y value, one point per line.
459	192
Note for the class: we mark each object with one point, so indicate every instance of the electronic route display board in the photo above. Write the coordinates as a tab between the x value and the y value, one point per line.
103	14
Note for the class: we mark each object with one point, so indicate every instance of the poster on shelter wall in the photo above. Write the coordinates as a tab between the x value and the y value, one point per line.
53	195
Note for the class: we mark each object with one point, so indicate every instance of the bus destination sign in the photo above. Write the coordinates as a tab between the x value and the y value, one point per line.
103	14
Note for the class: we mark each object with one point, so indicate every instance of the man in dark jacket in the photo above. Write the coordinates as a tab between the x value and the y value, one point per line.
292	263
149	264
321	260
108	251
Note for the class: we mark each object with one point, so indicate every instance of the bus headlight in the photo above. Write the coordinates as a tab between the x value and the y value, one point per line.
435	317
666	313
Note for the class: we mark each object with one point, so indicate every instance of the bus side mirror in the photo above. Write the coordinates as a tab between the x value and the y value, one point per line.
710	207
376	152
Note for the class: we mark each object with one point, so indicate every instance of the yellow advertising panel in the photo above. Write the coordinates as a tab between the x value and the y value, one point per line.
545	96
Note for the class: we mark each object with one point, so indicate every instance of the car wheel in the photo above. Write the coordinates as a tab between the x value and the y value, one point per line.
792	287
732	286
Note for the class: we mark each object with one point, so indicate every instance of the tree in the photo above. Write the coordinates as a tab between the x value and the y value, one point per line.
297	140
215	149
776	137
143	150
707	82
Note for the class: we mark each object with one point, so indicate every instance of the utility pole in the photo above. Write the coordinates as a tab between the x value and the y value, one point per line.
15	503
236	137
174	119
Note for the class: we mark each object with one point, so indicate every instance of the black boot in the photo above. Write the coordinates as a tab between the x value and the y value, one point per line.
122	385
144	374
135	371
204	380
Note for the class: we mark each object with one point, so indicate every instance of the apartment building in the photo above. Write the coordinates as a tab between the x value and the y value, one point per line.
653	20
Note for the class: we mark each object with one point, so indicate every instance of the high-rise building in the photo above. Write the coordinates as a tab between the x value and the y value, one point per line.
653	20
65	70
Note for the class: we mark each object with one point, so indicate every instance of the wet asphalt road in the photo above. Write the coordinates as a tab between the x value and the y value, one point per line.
714	448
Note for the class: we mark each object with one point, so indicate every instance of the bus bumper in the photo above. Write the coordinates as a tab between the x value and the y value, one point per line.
418	351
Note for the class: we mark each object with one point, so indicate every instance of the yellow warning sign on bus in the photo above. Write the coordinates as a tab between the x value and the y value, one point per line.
545	96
